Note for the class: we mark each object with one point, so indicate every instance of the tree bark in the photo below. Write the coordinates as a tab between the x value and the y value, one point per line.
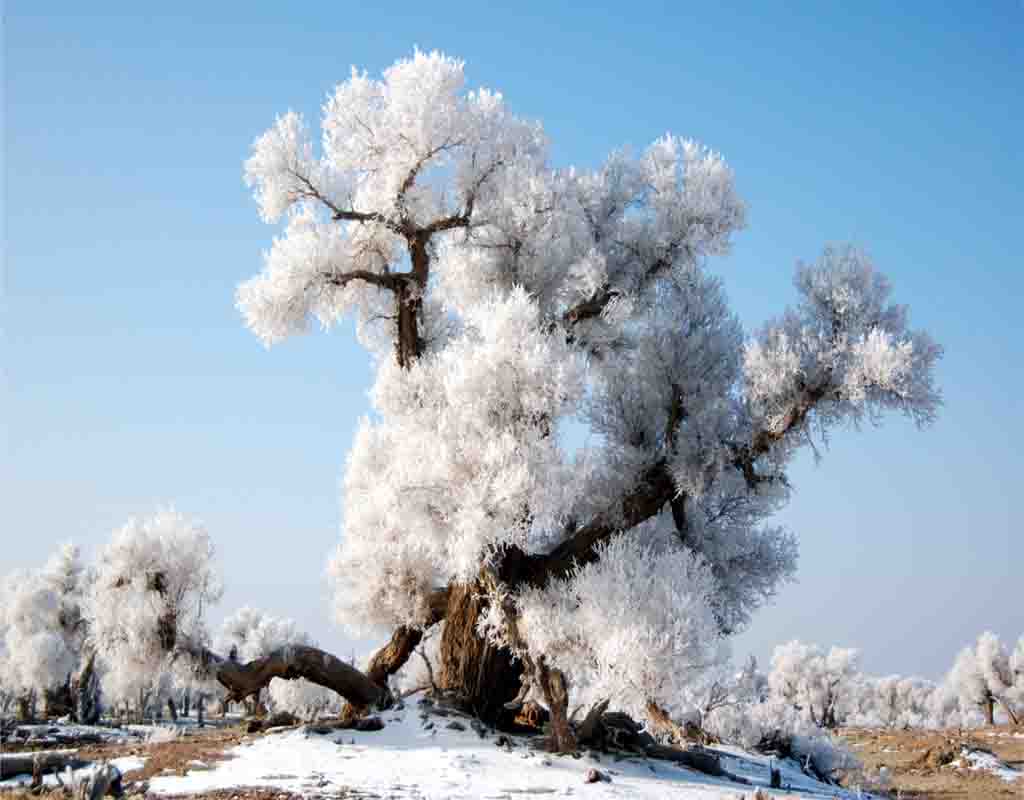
86	693
481	677
556	693
172	710
990	711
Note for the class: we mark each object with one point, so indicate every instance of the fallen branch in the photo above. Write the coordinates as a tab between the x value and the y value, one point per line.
32	763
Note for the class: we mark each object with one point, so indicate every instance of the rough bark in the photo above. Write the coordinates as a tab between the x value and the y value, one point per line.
556	694
408	343
480	676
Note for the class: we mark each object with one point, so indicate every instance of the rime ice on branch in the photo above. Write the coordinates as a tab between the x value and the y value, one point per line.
518	299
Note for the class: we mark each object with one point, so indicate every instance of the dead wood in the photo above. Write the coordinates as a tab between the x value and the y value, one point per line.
12	764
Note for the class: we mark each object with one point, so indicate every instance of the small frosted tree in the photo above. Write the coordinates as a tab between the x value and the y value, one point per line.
152	585
814	681
986	676
506	300
43	630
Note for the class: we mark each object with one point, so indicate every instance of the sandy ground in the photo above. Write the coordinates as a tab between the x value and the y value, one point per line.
923	764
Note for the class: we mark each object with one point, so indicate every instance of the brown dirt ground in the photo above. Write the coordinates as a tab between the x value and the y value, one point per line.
918	761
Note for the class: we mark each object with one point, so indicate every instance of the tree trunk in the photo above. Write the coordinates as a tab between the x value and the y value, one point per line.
200	703
24	708
186	703
57	702
86	693
172	710
556	693
481	677
990	709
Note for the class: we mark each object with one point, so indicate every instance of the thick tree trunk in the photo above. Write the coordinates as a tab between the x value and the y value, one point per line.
482	677
990	711
172	710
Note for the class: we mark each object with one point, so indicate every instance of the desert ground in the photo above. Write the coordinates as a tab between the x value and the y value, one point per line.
928	764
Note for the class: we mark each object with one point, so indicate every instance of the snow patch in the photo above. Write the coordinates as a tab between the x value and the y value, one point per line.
407	760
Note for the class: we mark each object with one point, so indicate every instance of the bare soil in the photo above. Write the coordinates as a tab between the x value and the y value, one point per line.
921	767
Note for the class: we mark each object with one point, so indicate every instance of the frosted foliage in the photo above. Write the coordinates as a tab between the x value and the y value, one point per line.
153	582
249	634
464	466
401	153
40	623
845	347
651	603
567	236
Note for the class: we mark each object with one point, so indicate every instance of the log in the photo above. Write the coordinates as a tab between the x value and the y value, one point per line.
694	758
12	764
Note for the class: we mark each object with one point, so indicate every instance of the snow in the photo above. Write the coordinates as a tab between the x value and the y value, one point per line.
408	760
982	760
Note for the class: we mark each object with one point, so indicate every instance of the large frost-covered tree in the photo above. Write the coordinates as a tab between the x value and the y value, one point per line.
510	303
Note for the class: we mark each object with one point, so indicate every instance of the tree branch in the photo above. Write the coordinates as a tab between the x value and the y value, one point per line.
384	280
289	662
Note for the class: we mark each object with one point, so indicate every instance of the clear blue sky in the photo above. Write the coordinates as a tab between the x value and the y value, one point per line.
131	382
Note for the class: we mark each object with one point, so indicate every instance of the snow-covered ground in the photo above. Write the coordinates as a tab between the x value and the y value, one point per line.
422	758
981	760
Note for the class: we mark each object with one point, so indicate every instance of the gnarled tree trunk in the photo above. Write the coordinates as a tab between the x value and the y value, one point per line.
481	676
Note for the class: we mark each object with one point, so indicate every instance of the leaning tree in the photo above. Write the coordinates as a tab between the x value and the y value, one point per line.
575	450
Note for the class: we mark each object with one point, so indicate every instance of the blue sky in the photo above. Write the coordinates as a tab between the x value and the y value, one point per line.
131	382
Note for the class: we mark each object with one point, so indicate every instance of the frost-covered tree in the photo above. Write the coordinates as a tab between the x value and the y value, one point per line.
814	681
508	302
43	630
152	585
891	701
983	676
